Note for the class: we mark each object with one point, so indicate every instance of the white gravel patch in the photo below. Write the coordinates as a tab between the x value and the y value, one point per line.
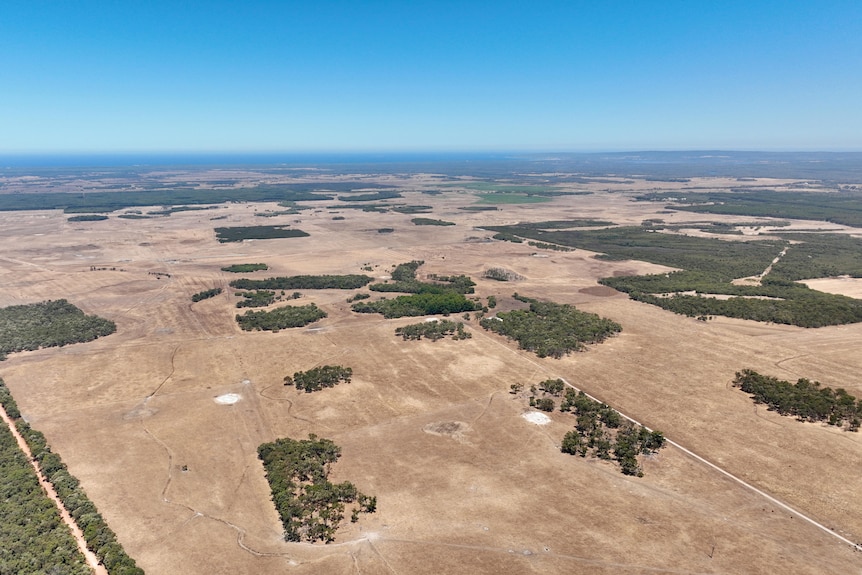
228	398
537	417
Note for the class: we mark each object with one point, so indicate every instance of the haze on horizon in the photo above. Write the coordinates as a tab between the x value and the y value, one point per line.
339	76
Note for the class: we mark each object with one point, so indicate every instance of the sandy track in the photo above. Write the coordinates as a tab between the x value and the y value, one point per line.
91	558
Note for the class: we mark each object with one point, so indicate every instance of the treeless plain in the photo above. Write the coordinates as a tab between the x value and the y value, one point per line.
464	483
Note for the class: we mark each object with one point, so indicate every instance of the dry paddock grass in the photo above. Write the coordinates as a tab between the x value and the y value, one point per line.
177	475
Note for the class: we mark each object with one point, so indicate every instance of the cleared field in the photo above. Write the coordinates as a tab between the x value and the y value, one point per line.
464	483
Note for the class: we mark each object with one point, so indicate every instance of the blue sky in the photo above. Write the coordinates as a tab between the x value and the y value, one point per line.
312	76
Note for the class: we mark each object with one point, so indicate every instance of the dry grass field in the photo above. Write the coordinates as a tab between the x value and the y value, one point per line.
464	483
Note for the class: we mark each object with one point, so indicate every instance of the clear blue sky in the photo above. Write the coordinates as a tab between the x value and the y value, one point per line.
328	75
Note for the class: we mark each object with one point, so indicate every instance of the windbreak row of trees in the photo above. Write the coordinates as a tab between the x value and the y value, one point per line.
206	294
310	506
244	268
99	536
805	399
433	330
349	281
430	222
48	324
33	538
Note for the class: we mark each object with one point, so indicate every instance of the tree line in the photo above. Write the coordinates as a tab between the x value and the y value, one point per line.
349	281
805	399
244	268
433	330
206	294
33	538
100	538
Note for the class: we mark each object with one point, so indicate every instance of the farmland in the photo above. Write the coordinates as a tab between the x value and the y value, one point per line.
161	421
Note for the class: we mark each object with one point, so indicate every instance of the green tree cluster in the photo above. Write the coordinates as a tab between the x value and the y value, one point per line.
310	506
257	298
349	281
404	281
88	218
507	237
48	324
319	377
601	431
547	246
280	318
430	222
240	233
805	399
433	330
418	304
100	538
244	268
502	275
550	329
206	294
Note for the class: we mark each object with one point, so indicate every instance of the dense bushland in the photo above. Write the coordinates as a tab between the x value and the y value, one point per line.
33	539
48	324
310	506
418	304
551	329
709	266
280	318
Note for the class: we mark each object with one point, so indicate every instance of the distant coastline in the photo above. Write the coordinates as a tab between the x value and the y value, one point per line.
832	166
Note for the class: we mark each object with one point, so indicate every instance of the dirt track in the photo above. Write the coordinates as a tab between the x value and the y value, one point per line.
67	518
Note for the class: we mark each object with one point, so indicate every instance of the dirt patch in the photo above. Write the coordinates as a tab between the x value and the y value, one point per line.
452	429
228	399
845	285
537	417
599	291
